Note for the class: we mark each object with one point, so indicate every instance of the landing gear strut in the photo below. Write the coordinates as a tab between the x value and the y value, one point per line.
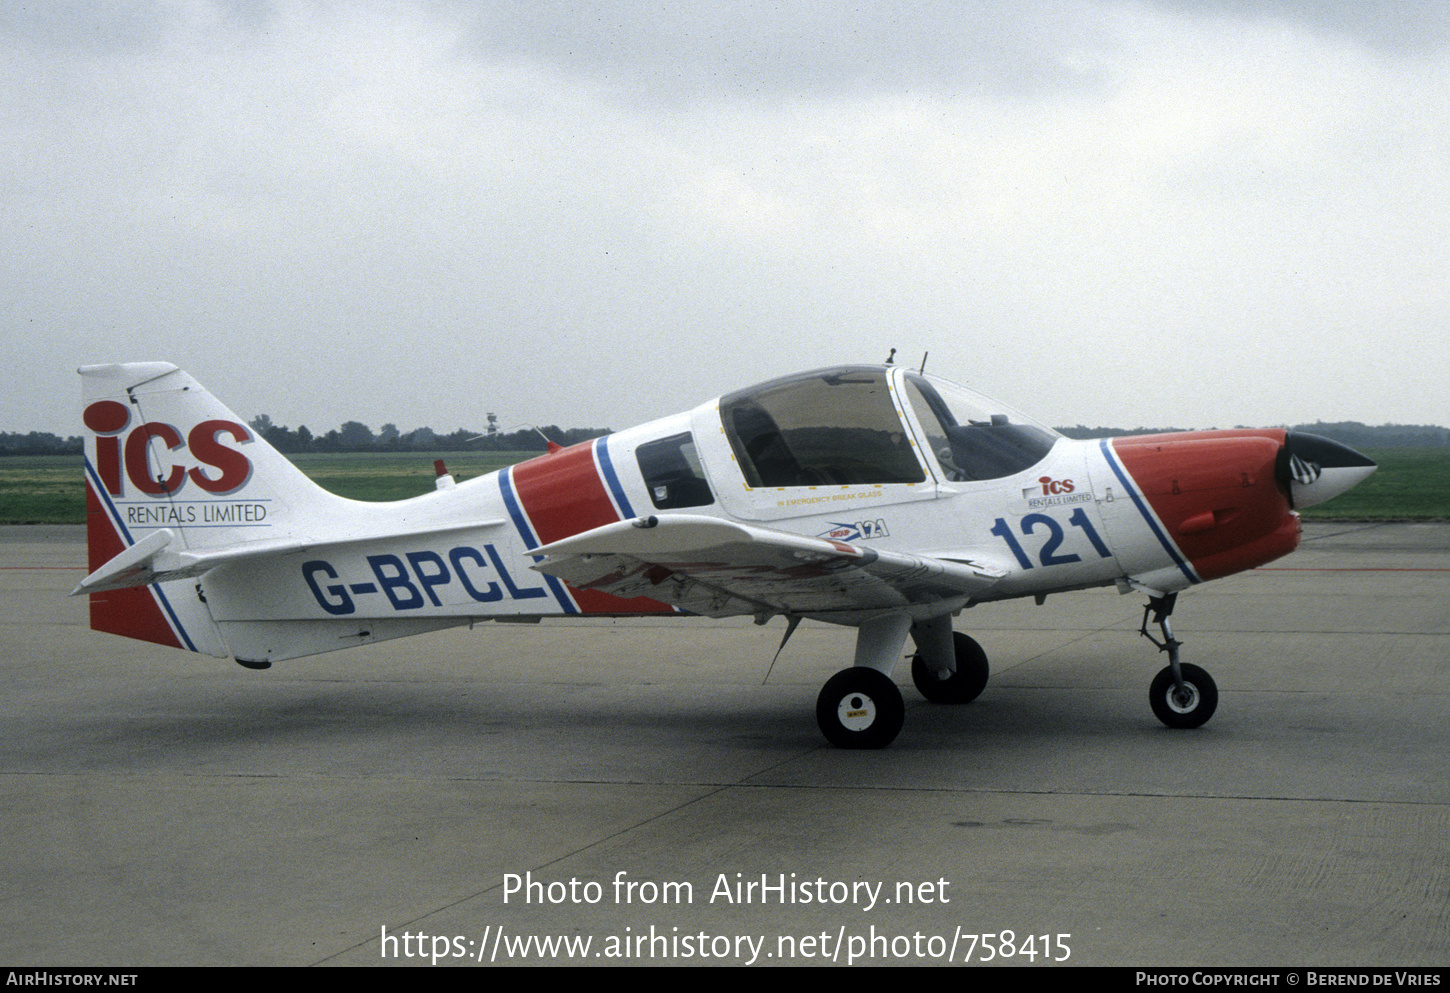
861	707
1182	695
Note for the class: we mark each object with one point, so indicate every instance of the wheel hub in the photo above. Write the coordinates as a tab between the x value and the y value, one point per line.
1184	701
857	712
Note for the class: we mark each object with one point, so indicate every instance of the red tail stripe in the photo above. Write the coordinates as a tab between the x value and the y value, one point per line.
131	613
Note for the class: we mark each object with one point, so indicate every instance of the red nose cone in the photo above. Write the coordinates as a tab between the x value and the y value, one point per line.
1217	494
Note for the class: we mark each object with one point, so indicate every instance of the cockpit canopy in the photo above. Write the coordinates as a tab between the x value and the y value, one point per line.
972	437
830	426
842	426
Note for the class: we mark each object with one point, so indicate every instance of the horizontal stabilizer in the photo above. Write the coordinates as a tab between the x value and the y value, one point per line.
153	560
136	566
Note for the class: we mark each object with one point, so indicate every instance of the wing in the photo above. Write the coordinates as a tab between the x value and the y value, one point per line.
719	568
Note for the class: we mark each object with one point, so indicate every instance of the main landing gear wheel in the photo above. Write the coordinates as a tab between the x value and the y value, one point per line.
860	708
962	686
1190	708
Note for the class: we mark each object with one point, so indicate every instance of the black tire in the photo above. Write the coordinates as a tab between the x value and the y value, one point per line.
962	686
860	708
1191	713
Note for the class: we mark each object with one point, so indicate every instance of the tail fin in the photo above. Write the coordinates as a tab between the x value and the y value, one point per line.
169	469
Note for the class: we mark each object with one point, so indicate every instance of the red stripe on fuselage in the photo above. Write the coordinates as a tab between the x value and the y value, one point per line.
1216	494
131	613
562	494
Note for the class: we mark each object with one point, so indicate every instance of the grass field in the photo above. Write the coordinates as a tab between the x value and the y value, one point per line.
397	475
1411	484
48	489
42	489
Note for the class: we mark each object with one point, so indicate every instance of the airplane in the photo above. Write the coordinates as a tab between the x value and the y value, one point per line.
872	496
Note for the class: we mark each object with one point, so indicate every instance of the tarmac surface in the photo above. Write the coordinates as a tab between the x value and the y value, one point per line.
621	782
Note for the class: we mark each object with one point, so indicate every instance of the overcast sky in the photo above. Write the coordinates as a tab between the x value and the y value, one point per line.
594	213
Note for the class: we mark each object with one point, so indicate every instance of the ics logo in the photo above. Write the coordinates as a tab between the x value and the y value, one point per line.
215	467
1051	492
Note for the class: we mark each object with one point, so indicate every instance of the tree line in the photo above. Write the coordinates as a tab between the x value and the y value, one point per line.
1351	433
354	436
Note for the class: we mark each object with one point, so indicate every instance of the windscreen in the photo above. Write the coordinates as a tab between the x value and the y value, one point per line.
972	438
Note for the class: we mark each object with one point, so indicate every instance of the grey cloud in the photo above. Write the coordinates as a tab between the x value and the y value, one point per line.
747	48
142	25
1383	24
74	24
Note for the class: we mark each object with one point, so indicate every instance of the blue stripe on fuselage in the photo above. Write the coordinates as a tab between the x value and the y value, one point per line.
531	541
611	478
1147	513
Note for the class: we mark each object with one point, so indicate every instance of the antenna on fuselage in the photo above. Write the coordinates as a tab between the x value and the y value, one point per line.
891	356
923	362
554	446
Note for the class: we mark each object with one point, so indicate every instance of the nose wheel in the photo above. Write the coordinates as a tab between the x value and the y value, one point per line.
1188	707
1182	695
